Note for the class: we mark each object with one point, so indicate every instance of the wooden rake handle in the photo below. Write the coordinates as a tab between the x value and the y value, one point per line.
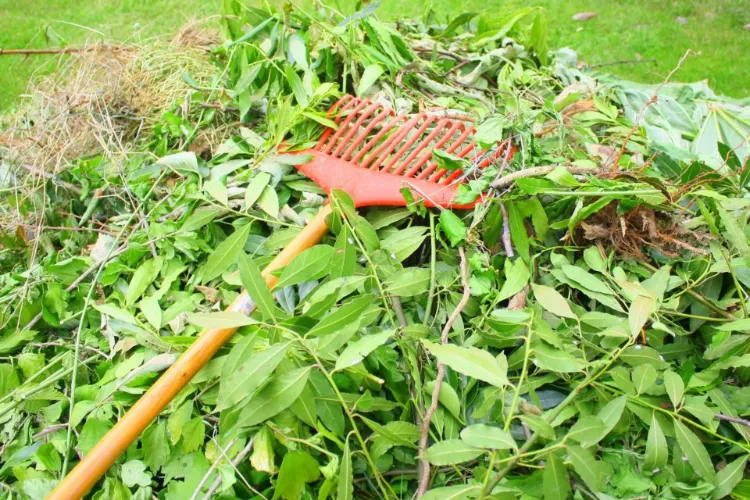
126	431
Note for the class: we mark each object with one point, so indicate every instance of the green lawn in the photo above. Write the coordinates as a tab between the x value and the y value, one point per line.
622	30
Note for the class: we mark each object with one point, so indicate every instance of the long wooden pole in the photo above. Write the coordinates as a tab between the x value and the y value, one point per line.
129	428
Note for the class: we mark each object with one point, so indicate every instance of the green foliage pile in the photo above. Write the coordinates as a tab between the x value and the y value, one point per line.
599	346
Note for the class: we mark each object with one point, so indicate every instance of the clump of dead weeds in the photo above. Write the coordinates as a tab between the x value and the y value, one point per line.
105	99
639	232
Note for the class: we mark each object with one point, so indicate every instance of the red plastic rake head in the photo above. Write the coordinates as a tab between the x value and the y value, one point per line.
375	153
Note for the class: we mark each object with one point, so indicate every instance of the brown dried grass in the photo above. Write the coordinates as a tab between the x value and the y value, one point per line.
104	100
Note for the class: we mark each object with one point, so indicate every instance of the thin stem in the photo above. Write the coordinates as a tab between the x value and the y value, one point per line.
433	261
519	385
424	465
591	378
239	458
86	303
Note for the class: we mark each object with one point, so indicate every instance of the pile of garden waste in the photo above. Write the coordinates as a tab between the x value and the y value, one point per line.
583	332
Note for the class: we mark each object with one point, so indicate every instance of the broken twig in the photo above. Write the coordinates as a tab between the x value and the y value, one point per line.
424	465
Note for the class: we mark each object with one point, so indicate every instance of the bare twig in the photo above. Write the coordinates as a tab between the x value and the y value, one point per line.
518	301
49	430
210	470
32	52
235	462
654	98
219	106
734	420
622	61
424	465
509	179
445	53
398	308
507	243
47	175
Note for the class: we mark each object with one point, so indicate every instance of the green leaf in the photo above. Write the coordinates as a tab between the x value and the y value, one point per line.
304	407
453	227
586	280
695	451
657	452
555	483
488	436
225	254
408	282
298	89
344	260
457	22
48	456
447	397
256	287
142	278
218	191
113	311
551	300
134	474
12	341
538	424
252	373
151	310
298	468
728	477
639	354
473	362
611	413
593	472
345	489
178	420
451	451
357	351
639	311
516	276
593	257
740	325
588	431
450	163
369	77
644	376
555	360
269	202
155	446
518	234
312	264
458	492
256	187
733	232
343	316
274	398
675	387
298	50
397	433
93	430
221	319
193	435
182	163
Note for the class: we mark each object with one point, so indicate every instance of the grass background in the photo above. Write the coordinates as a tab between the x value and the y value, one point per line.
622	30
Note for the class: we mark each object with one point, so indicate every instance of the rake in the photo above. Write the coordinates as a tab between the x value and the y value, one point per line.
372	155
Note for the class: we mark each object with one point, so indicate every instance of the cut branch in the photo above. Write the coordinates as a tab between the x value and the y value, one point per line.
424	465
33	52
509	179
734	420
